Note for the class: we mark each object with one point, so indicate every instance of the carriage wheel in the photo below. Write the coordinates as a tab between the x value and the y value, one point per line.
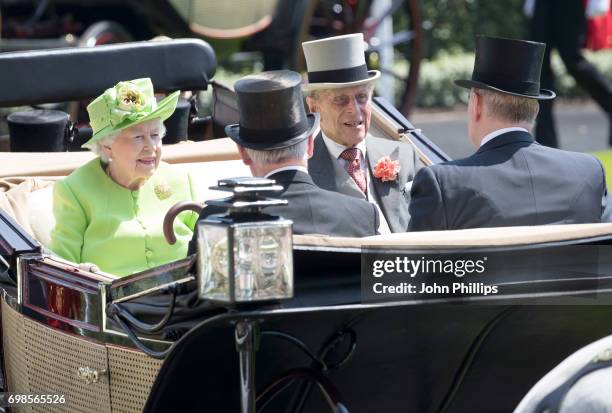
104	32
392	29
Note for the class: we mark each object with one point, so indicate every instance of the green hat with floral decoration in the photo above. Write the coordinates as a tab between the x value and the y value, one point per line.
127	104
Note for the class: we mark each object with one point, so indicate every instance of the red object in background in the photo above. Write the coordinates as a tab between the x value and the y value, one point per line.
599	32
63	302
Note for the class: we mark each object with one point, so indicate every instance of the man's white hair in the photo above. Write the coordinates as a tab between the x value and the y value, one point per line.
97	147
293	152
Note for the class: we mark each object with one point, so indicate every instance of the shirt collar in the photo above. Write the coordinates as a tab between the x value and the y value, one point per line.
287	168
498	132
336	149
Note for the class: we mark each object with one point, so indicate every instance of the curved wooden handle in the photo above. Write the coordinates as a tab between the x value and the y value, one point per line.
173	212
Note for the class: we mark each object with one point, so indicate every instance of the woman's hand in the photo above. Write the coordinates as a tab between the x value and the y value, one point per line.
88	266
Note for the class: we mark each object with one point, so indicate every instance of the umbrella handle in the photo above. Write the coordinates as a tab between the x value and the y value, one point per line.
173	212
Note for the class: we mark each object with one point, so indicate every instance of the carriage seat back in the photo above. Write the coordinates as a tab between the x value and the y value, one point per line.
81	73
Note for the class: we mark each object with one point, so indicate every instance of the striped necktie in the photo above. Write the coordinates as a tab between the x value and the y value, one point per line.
352	156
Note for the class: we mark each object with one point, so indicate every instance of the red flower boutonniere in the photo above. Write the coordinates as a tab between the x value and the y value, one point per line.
386	169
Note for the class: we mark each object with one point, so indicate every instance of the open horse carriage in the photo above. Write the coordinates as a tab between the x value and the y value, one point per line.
138	343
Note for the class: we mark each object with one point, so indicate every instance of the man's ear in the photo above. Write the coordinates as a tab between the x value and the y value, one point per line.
479	108
244	155
312	106
310	147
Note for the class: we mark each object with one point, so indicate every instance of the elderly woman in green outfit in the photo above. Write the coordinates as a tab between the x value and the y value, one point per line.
109	212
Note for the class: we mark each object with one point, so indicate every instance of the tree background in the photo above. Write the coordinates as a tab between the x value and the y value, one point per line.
452	25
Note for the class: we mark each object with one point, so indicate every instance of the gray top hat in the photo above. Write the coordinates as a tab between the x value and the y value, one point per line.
272	114
337	62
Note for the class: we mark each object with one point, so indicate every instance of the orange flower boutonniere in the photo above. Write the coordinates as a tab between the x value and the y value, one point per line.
386	169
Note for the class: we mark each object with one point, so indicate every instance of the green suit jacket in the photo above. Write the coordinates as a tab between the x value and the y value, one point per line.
119	230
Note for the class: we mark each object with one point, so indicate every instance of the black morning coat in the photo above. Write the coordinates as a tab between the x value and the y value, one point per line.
510	181
316	211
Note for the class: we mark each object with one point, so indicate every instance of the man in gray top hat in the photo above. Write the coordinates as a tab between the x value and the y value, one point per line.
275	139
511	179
346	156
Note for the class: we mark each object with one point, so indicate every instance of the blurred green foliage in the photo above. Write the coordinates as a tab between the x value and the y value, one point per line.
436	87
436	83
450	26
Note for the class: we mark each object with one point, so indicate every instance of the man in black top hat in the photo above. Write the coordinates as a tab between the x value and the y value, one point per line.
511	179
275	139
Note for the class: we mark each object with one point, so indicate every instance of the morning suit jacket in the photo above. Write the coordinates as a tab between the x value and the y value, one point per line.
393	197
510	180
316	211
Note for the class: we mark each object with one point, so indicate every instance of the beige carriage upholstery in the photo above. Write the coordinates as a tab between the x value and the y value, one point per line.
62	163
491	237
28	200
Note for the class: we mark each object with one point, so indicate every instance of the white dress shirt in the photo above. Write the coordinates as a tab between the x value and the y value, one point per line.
498	132
287	168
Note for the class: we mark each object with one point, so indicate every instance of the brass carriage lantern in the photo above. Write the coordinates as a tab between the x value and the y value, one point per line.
245	255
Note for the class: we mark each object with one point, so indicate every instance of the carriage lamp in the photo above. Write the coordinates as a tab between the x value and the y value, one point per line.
245	255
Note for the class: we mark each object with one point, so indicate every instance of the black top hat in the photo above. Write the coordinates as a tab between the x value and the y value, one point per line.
177	125
272	114
508	66
39	130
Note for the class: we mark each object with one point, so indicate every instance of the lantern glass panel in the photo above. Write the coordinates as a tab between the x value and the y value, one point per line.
261	261
213	261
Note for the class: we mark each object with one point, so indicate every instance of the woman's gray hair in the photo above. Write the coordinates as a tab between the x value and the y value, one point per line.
97	147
